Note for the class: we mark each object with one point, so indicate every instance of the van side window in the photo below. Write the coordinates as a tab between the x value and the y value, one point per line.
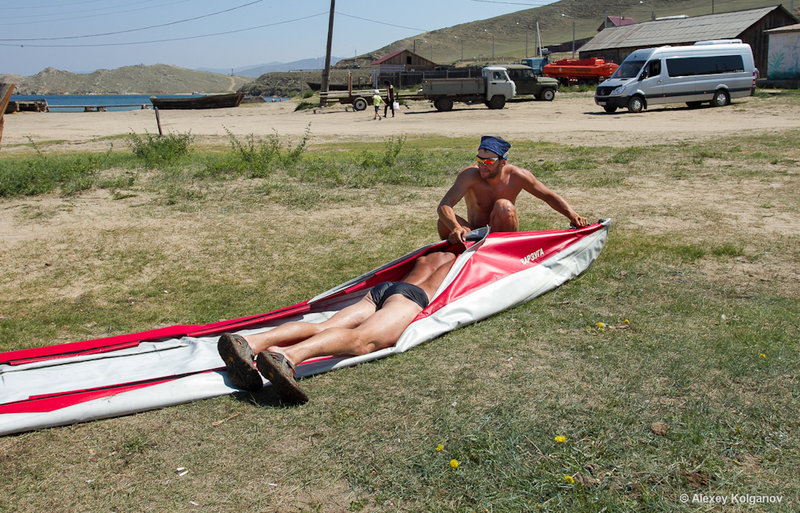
690	66
654	68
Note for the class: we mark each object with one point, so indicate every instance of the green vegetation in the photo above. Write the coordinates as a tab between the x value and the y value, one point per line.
159	150
668	368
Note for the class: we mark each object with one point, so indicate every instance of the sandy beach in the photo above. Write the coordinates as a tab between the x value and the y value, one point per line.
571	118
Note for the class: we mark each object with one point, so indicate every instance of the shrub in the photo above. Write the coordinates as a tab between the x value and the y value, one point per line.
157	150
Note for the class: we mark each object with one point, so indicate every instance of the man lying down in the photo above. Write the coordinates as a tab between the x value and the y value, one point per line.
373	323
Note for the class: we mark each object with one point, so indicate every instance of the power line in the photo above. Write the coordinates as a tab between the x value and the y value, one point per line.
380	22
134	29
130	43
82	15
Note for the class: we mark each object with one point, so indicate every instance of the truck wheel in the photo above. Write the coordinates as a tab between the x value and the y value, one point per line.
443	104
720	99
496	102
636	104
359	104
610	109
547	95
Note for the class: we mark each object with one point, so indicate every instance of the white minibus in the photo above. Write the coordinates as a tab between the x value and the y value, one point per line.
708	71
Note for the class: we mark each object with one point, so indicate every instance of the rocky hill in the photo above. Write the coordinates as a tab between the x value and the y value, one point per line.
140	79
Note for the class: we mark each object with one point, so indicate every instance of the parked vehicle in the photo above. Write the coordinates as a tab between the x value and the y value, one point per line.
493	88
537	63
585	71
527	83
708	71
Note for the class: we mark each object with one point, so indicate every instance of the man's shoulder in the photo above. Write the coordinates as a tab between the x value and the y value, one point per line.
469	173
519	172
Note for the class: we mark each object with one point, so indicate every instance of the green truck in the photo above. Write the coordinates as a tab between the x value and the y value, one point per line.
528	83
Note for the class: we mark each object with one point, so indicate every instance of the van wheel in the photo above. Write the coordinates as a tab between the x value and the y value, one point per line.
636	104
720	99
610	109
496	102
547	95
359	104
443	104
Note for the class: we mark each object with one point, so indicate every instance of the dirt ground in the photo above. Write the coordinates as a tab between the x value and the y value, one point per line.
571	118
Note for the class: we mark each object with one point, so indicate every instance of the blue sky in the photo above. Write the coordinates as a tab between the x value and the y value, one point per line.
84	35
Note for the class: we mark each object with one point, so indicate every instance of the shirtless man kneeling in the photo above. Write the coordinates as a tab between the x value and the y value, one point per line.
376	321
490	189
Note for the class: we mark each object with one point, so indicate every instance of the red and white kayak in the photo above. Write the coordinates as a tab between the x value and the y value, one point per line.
108	377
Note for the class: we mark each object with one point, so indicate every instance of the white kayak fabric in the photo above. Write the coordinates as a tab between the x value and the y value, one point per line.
68	383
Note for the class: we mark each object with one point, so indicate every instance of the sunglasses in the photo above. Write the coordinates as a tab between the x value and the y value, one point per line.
488	162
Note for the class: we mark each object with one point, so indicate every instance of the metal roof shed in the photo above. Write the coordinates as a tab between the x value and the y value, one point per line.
616	43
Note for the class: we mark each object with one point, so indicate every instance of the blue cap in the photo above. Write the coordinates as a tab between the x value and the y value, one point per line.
496	145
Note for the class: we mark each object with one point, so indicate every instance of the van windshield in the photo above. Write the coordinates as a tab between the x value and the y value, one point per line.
628	69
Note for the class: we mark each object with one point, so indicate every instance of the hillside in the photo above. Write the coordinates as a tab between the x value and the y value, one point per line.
503	38
155	79
499	39
286	83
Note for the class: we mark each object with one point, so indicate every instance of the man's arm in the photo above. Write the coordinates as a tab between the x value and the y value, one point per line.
447	215
556	202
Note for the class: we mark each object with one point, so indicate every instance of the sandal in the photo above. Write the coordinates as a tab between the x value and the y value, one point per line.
238	358
280	372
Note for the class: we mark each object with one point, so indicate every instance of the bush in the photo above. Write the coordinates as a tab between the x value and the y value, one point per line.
43	175
158	150
256	157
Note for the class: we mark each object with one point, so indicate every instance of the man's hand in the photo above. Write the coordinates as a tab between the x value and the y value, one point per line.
578	221
458	235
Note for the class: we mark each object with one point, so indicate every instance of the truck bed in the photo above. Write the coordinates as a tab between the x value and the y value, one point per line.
454	86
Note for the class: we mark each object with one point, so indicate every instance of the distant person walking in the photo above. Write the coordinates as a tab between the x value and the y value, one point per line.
376	101
390	99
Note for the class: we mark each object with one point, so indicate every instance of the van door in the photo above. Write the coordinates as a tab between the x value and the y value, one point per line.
652	83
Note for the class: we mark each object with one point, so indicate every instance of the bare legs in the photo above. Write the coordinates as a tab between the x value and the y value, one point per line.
359	328
502	218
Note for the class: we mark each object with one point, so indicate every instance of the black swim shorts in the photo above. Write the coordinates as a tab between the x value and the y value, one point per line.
382	291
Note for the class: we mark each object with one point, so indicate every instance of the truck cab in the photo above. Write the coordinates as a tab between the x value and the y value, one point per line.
499	87
536	63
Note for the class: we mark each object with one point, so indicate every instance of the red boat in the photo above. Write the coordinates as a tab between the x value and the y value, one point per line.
571	71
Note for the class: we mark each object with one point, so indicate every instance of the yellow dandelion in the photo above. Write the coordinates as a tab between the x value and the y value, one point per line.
601	325
439	448
454	463
569	479
626	321
561	439
762	355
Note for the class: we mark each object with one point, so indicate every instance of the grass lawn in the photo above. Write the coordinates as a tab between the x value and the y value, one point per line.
669	368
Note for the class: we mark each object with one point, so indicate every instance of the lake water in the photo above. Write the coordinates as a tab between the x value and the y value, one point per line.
56	102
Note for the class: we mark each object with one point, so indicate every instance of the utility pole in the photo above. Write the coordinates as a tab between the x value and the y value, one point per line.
573	39
526	42
326	73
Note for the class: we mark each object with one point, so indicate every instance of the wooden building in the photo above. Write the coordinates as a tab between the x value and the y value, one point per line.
402	60
615	43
